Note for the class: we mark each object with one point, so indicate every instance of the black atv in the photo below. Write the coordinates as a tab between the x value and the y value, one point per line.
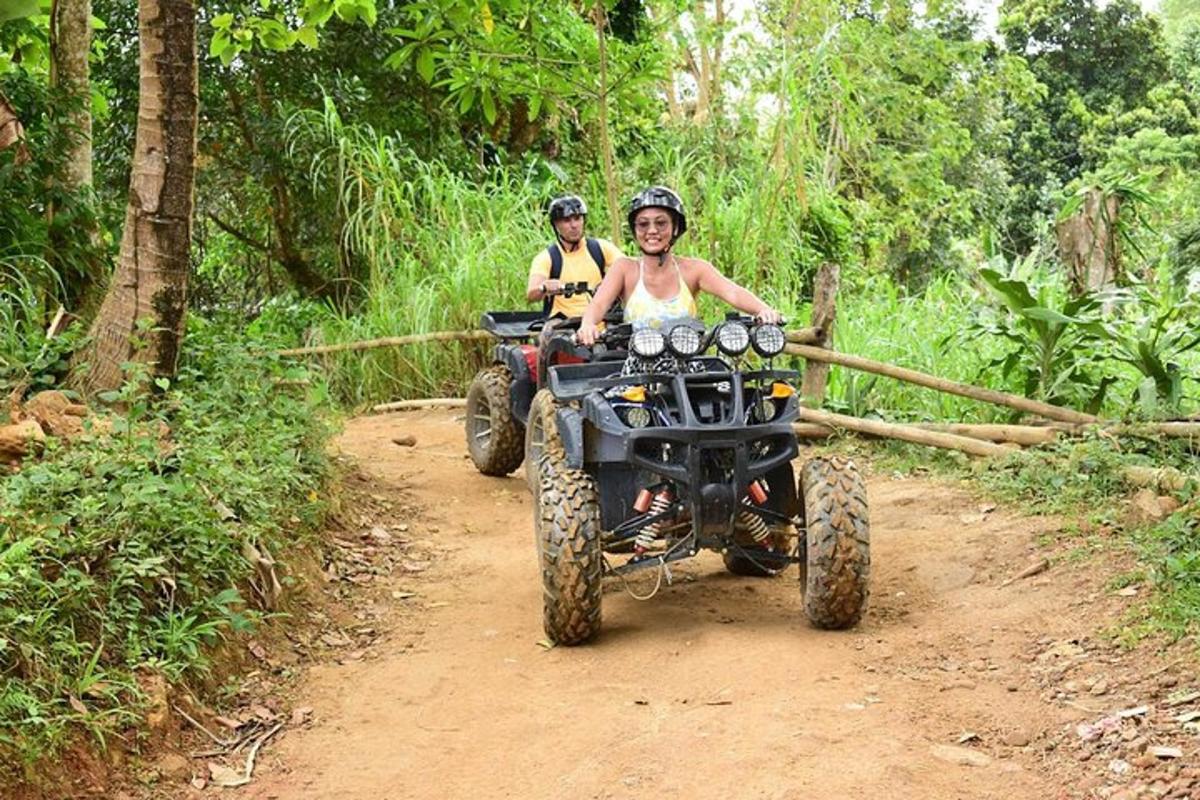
507	401
648	450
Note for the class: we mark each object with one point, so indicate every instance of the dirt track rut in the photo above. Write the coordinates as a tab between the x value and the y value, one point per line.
715	688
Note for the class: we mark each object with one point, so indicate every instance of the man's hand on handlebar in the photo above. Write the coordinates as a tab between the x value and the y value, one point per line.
551	287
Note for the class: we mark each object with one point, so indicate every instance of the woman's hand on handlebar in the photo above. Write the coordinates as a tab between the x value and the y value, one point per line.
587	333
769	315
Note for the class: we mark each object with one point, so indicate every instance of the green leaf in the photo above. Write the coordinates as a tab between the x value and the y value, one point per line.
1049	315
17	9
425	64
489	105
535	107
222	21
307	36
466	100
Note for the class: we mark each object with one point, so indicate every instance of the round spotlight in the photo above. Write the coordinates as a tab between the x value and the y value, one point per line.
647	343
684	340
733	338
769	340
764	409
637	416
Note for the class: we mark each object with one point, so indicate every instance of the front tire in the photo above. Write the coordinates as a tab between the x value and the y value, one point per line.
568	531
494	439
541	436
838	541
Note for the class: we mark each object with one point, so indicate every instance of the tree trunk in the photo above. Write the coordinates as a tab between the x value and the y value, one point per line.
70	44
12	134
1088	244
74	247
143	314
610	179
285	250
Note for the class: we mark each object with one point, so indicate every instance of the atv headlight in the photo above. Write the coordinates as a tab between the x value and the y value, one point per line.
764	409
733	338
636	416
647	343
684	340
768	340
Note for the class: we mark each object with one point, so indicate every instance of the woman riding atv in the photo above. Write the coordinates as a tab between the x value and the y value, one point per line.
659	285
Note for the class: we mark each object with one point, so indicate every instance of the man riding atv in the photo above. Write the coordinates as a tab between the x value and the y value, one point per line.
570	260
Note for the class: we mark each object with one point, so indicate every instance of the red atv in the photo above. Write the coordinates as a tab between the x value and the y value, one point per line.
507	401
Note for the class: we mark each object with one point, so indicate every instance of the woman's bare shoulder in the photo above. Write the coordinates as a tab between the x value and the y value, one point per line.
696	265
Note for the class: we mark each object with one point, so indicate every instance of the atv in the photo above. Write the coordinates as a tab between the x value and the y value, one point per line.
647	450
507	401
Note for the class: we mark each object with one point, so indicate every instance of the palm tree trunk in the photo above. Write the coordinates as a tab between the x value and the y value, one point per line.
143	314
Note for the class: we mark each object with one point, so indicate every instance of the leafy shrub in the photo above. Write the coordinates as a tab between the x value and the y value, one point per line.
123	550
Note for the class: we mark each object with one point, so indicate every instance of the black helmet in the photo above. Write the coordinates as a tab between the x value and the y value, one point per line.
569	205
660	197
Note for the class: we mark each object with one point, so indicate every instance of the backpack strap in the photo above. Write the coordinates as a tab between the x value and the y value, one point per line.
597	254
556	264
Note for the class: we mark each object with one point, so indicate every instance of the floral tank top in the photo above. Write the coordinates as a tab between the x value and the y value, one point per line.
645	310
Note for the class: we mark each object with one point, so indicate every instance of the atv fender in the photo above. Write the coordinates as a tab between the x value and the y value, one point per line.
523	385
570	430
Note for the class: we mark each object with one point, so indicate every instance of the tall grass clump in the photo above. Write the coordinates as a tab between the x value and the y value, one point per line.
126	550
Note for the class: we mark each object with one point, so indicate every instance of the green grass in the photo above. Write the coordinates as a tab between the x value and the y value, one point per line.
125	552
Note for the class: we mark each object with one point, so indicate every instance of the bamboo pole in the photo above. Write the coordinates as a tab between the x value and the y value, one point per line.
1024	435
808	335
941	384
410	405
387	341
905	433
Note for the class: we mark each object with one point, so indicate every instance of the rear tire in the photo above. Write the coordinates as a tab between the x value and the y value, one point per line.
541	436
838	540
568	529
494	439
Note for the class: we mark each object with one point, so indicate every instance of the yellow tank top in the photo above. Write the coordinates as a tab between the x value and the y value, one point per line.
645	310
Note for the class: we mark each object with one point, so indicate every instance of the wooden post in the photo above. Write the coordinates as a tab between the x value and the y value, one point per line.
824	314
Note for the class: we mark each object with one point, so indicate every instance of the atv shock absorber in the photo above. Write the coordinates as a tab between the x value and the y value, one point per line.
754	524
757	529
647	535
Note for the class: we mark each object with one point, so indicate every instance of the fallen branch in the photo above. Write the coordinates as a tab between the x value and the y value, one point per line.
907	433
941	384
409	405
1160	479
388	341
1036	568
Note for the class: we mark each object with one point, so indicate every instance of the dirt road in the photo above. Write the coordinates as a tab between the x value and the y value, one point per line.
716	688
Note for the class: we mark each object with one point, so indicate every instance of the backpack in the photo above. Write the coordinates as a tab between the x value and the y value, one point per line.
556	265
